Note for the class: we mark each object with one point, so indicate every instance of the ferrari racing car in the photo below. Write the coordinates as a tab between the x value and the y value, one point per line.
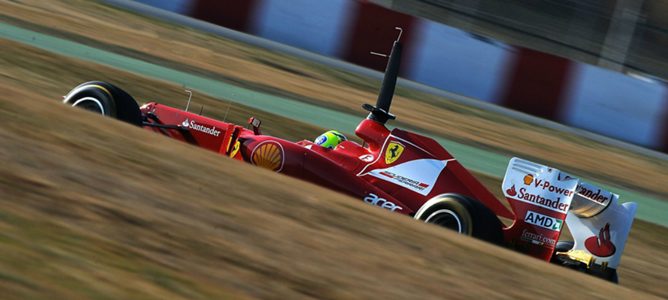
409	174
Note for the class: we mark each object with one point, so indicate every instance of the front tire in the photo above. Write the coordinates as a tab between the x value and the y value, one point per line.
465	216
105	99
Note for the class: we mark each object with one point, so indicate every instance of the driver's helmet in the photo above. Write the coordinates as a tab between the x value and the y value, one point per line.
330	139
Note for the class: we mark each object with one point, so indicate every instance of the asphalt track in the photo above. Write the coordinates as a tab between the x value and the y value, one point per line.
486	162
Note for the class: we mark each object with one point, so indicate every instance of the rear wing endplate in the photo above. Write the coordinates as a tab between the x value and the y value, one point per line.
544	198
600	226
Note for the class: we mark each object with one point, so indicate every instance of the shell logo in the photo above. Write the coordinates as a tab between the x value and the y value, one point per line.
528	179
268	155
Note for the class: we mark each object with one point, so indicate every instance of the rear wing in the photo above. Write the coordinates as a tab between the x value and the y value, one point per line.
599	225
544	199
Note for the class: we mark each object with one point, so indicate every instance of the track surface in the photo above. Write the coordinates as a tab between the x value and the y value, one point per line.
486	162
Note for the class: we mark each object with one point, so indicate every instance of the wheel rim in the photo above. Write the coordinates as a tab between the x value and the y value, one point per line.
446	218
90	104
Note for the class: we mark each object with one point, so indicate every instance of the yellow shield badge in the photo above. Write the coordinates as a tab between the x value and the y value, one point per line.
235	150
393	151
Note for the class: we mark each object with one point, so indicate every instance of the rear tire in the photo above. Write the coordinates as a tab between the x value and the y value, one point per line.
105	99
465	216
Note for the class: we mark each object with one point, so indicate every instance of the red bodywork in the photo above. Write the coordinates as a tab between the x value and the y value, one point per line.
360	171
396	170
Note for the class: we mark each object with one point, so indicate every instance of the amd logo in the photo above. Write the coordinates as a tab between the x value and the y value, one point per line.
542	220
373	199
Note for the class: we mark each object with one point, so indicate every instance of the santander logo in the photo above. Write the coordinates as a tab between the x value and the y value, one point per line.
511	191
601	245
201	128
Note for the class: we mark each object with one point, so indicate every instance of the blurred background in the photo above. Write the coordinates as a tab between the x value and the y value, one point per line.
594	65
625	35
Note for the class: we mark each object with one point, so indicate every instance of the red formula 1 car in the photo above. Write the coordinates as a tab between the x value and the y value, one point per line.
410	174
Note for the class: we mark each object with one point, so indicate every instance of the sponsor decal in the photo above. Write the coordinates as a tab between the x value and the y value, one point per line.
537	238
511	191
546	185
418	175
601	245
388	174
373	199
199	127
268	155
321	140
237	145
599	196
393	152
528	179
366	158
539	185
415	184
542	201
542	220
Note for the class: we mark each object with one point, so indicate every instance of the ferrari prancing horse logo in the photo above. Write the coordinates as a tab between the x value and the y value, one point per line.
393	151
235	149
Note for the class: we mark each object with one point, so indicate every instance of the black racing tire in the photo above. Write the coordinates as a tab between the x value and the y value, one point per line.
465	216
105	99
